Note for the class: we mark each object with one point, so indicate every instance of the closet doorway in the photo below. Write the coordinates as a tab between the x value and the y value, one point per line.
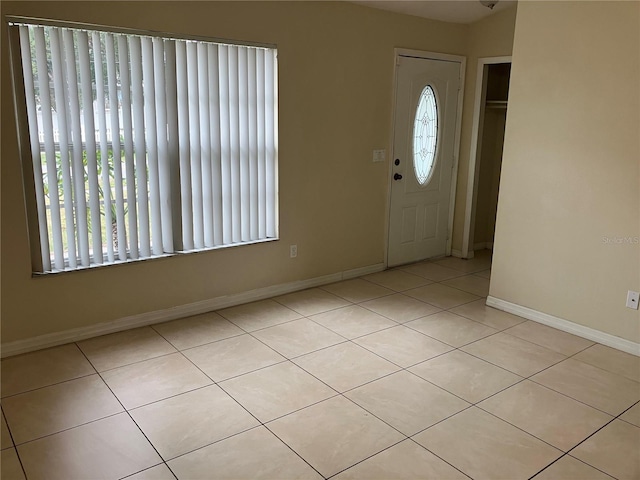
485	159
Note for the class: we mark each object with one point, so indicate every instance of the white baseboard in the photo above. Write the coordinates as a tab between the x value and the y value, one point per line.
359	272
159	316
566	326
477	246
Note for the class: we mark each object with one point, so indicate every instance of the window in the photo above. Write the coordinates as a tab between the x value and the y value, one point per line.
425	134
142	146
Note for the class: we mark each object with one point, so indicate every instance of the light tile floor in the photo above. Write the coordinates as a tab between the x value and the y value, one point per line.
403	374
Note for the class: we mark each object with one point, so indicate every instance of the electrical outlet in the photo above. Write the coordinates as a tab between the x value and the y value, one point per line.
633	298
293	251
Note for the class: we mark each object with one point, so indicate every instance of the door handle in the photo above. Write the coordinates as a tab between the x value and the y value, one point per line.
397	176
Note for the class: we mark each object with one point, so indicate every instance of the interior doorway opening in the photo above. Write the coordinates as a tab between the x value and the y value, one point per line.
490	115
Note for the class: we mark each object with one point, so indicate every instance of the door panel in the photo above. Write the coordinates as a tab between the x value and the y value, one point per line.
419	212
409	221
430	227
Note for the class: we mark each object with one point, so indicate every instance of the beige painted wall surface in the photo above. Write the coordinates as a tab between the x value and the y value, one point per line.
336	71
490	37
570	189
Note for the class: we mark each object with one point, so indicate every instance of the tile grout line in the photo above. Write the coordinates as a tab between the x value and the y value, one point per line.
69	428
436	455
568	452
247	332
217	382
286	359
520	381
275	299
391	288
442	341
219	386
132	363
356	302
14	446
89	422
367	458
129	415
285	322
191	347
302	354
530	378
625	411
149	468
407	437
405	321
564	394
470	406
212	443
291	359
296	453
260	423
520	428
342	394
338	394
402	369
564	453
47	386
438	386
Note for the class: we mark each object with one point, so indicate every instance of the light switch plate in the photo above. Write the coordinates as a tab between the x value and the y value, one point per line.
379	155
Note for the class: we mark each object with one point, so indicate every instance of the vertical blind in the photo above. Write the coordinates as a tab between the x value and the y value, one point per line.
144	146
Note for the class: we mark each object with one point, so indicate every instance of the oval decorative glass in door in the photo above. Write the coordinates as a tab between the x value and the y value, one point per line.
425	135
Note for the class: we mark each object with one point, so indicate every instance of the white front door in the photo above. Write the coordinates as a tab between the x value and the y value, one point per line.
423	150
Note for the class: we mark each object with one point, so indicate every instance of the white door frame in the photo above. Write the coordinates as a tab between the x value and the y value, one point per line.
462	60
474	154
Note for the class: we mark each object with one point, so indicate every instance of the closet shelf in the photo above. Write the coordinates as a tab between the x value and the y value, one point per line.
496	104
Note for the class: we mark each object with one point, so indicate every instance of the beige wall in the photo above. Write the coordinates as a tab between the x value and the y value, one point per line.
491	37
570	171
336	70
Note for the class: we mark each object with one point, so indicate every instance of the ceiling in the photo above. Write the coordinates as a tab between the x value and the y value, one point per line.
456	11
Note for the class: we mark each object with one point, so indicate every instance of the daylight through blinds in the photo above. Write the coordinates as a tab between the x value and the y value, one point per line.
144	146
